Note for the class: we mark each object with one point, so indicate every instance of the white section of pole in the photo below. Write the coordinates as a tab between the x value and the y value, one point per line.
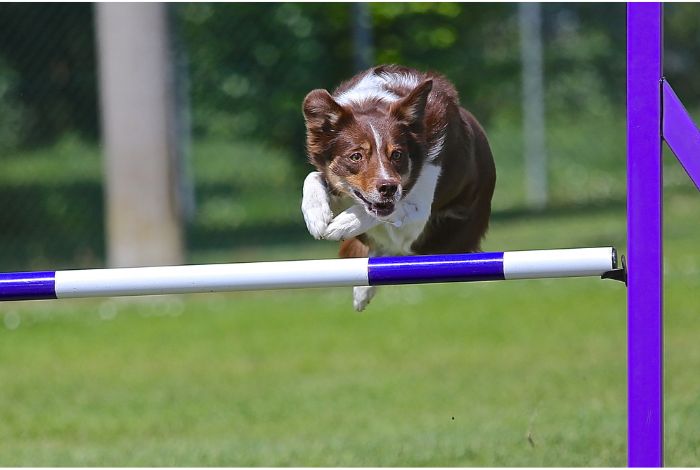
572	262
211	278
535	150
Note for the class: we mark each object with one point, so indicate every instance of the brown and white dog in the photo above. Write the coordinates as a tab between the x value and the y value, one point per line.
403	167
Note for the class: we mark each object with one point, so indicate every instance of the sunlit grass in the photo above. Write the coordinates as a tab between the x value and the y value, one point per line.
511	373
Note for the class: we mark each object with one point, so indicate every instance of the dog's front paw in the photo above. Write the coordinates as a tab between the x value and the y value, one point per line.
349	223
361	296
315	205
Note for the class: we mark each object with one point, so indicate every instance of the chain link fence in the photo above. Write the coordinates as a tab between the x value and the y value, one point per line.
50	185
245	69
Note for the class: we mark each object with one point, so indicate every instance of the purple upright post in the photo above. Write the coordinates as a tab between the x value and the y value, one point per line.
644	236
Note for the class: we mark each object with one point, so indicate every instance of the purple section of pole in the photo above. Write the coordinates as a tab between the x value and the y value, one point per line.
436	268
644	236
681	134
27	286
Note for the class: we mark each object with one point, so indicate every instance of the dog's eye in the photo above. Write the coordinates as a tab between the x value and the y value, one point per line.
396	155
356	157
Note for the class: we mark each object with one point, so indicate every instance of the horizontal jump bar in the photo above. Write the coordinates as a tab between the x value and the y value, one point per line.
469	267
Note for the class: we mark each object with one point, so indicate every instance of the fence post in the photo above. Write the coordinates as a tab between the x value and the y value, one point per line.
644	235
137	93
362	37
534	129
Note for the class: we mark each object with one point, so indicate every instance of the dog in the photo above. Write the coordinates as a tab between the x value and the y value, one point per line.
401	168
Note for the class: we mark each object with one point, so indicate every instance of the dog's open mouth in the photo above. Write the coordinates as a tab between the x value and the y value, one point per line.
380	209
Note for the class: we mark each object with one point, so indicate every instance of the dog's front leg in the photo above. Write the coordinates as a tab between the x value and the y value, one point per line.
315	204
350	223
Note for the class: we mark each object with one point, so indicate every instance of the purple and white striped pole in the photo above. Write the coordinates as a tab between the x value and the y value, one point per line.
574	262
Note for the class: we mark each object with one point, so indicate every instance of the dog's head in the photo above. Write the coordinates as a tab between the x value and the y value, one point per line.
370	151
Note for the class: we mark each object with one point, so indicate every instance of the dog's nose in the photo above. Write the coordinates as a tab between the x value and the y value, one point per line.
387	188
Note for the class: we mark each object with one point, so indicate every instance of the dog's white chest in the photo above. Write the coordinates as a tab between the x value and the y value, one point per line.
396	240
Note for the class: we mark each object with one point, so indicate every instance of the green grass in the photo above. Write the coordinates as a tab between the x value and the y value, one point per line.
526	373
507	374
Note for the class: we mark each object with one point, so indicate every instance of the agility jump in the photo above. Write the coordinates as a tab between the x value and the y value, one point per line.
654	115
575	262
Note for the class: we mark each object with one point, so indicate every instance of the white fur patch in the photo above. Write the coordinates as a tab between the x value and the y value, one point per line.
376	86
371	86
315	205
435	149
377	138
400	79
383	174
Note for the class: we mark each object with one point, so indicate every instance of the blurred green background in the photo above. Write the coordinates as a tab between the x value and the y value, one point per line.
525	373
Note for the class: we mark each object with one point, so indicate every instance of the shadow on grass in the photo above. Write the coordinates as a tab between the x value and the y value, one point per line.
43	227
46	227
599	206
262	234
562	210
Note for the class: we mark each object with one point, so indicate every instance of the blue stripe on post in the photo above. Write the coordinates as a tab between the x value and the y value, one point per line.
436	268
28	286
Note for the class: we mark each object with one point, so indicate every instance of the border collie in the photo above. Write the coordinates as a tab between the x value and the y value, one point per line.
402	168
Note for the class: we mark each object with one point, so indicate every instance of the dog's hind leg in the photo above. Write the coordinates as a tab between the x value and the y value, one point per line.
353	248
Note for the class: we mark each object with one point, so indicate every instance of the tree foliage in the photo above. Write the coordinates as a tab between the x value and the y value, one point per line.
47	72
250	65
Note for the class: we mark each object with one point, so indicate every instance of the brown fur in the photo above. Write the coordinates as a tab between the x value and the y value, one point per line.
353	248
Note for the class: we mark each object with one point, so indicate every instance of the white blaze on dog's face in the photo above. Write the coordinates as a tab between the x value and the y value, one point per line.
372	150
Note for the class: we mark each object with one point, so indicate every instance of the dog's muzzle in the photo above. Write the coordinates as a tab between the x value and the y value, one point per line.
378	209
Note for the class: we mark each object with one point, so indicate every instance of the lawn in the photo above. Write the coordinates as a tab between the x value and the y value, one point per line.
521	373
487	374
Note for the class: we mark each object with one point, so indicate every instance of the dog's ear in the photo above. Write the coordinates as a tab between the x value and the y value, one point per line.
321	112
411	108
323	118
